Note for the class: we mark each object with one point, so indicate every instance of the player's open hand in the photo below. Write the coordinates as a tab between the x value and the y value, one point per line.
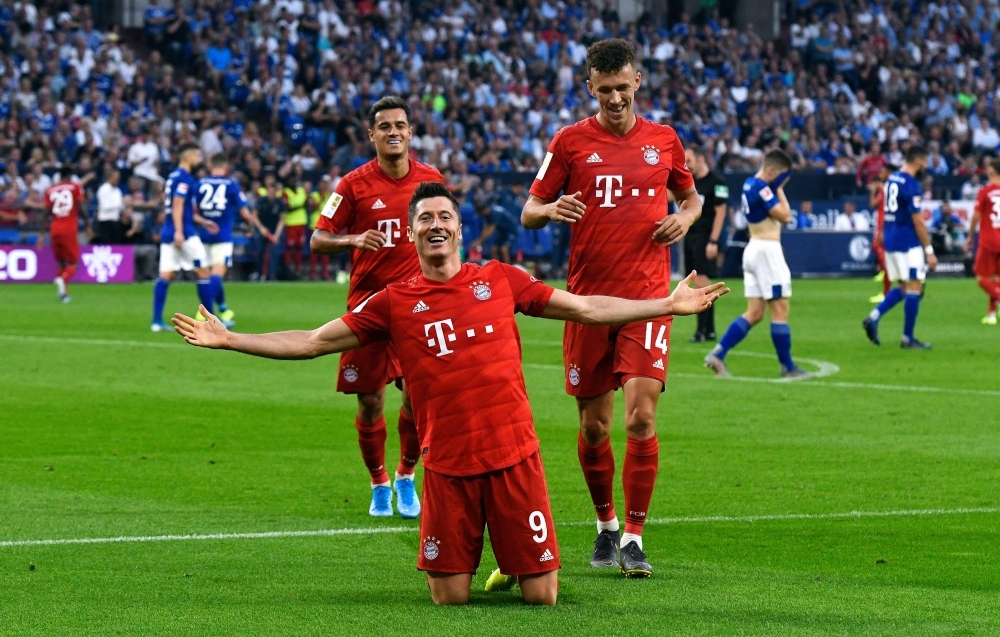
370	240
568	208
932	261
211	333
687	300
671	229
210	226
179	240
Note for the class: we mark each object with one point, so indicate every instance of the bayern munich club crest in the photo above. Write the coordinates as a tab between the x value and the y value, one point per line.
574	375
432	548
350	373
481	290
651	155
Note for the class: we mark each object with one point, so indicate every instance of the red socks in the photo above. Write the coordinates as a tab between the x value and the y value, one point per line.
598	465
886	283
68	273
409	445
642	460
371	439
991	287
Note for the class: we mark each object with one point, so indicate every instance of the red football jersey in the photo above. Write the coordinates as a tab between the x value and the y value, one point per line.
460	352
988	205
63	200
624	181
368	199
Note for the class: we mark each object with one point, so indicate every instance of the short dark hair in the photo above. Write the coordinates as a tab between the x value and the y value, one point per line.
186	148
610	56
218	160
429	190
65	172
699	151
778	158
388	103
994	163
915	153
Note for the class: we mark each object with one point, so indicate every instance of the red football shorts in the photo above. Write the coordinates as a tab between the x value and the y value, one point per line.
513	503
368	369
66	247
604	358
295	236
987	262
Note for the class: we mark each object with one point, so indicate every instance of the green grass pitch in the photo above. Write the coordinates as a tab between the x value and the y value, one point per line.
148	437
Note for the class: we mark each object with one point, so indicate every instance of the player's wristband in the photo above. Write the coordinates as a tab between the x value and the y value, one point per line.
928	250
713	242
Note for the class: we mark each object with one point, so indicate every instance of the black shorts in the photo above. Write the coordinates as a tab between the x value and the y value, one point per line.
694	256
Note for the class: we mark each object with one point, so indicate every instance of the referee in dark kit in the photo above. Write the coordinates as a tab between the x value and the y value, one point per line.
701	244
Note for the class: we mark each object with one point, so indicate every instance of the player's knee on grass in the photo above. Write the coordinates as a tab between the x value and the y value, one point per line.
371	406
641	396
595	417
541	589
449	589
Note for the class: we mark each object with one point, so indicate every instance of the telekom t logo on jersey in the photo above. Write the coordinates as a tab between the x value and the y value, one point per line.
390	228
609	186
440	338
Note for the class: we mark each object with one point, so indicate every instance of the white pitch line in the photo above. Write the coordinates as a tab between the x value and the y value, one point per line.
747	379
411	529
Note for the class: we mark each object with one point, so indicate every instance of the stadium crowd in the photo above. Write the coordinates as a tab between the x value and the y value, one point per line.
283	88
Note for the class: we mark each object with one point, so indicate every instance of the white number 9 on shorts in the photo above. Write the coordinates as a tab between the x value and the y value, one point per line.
537	523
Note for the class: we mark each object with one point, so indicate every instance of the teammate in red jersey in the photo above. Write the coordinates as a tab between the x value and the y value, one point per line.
615	169
370	206
877	200
454	330
987	218
63	201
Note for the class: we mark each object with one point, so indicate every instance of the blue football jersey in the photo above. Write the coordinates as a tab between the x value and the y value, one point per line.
219	199
758	199
180	183
902	201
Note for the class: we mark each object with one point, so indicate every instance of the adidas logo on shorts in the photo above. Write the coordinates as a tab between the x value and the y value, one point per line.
658	364
420	307
378	205
594	159
546	556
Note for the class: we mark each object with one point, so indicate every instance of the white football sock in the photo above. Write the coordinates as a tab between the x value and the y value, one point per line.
60	285
610	525
631	537
382	484
874	315
400	476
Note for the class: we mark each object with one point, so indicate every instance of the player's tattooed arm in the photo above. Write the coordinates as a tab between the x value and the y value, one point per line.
331	338
537	212
325	242
672	228
610	310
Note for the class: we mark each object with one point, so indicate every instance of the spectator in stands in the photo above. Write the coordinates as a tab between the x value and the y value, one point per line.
985	138
805	218
850	221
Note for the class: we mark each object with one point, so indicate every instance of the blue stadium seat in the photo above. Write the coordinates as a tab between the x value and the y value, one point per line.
535	244
10	236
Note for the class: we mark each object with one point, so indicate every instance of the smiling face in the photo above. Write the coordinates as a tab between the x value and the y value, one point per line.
615	92
391	133
436	230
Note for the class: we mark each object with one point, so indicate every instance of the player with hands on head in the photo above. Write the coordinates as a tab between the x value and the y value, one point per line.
180	246
369	205
615	170
450	323
908	251
63	200
766	277
986	218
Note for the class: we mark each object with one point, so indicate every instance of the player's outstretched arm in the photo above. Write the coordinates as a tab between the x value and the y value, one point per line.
537	212
331	338
610	310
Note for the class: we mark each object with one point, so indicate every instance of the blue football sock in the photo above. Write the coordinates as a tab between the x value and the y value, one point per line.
219	294
205	293
910	309
781	336
890	301
159	299
737	331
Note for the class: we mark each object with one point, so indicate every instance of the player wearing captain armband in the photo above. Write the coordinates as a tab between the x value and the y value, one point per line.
766	278
454	331
907	243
